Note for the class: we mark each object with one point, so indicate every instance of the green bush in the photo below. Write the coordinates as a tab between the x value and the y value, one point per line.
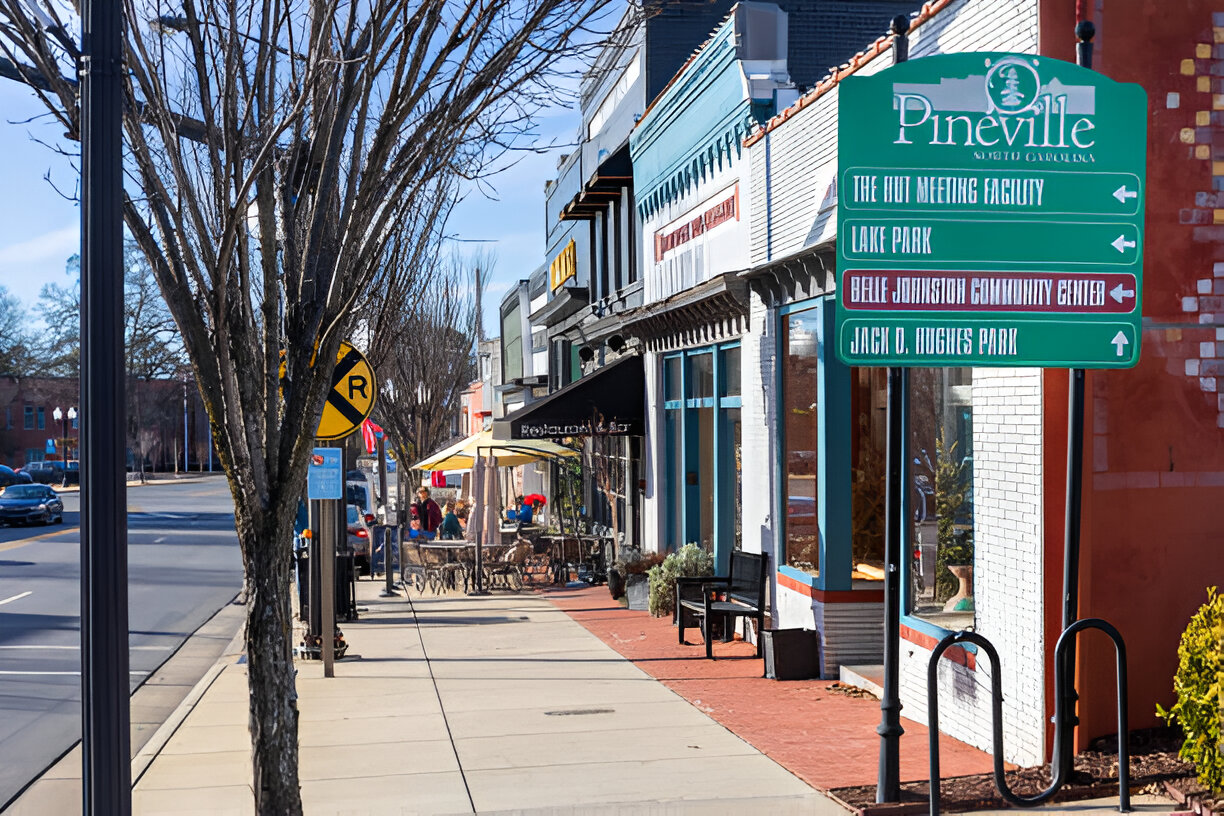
690	561
1200	675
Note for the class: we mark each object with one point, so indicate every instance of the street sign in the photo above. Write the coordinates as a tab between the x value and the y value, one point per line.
325	474
351	397
990	213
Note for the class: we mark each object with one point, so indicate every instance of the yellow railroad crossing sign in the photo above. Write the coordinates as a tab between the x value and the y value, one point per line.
351	397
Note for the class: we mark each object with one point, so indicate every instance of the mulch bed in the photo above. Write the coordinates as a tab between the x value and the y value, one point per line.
1154	768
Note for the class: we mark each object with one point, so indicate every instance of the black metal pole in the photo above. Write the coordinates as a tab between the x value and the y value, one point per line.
888	783
1064	748
106	756
388	590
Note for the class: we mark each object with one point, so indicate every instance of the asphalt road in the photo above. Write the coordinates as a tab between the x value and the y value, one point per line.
184	565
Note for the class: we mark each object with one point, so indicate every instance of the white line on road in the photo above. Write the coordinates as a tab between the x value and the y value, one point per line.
43	674
18	597
78	648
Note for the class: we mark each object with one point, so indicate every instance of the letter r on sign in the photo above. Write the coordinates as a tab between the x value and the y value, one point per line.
357	385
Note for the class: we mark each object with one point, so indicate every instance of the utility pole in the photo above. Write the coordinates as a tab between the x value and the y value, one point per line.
106	754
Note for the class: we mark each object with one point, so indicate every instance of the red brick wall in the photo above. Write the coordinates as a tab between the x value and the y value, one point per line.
1154	464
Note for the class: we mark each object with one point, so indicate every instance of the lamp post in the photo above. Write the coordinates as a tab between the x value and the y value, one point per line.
58	416
185	441
72	415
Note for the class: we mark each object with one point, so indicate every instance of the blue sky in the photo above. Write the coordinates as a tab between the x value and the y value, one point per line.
39	229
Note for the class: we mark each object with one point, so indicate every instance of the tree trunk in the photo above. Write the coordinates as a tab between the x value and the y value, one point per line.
270	674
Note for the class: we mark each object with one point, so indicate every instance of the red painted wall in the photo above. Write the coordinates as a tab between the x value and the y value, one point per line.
1154	464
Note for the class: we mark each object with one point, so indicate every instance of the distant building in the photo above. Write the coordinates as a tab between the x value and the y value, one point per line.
166	423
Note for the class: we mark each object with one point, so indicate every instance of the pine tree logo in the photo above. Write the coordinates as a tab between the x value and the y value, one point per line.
1012	85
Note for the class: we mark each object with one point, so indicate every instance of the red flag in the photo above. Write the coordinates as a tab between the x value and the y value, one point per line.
370	433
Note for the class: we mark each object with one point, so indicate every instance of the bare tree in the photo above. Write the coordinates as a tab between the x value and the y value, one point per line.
18	355
423	347
273	150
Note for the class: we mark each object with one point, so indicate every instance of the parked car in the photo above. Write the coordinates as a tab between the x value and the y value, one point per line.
359	538
45	472
72	472
8	476
30	504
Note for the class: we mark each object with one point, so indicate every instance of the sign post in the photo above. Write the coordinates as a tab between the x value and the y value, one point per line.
990	213
349	402
325	484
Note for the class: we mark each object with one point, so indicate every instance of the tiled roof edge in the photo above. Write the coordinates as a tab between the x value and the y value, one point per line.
836	75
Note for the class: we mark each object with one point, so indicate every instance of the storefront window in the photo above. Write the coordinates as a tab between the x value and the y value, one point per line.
701	375
730	386
702	448
868	445
941	471
735	466
671	378
800	426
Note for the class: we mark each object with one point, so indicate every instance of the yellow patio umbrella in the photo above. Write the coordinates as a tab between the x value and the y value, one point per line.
505	452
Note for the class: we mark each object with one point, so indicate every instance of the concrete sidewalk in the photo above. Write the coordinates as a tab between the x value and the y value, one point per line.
486	705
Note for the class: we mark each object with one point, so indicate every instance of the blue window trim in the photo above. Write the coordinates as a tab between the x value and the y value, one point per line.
930	629
833	447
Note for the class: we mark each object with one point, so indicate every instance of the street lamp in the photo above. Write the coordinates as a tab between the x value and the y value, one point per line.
58	416
72	415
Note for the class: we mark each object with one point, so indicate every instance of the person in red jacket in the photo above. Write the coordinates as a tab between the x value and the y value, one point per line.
427	512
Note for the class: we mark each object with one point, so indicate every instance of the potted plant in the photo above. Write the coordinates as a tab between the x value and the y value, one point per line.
954	561
630	568
690	561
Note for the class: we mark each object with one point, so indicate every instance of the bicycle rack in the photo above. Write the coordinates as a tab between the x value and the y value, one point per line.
1061	713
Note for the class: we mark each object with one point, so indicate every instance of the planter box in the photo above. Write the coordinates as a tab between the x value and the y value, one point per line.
792	654
637	592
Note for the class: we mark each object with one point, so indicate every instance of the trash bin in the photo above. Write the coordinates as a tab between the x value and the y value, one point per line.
791	654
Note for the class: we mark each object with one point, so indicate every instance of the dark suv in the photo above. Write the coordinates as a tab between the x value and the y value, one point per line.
72	472
45	472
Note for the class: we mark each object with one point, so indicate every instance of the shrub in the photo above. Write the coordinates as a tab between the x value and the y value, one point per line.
1197	684
690	561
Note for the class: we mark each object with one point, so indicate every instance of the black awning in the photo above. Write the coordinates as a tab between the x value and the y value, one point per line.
611	401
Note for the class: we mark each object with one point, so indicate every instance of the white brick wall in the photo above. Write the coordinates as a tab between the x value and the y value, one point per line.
1007	576
758	350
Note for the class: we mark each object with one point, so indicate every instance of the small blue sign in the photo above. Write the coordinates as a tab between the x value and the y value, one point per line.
325	476
50	446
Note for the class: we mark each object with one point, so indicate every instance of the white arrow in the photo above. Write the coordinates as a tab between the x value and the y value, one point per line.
1120	342
1122	194
1121	244
1118	293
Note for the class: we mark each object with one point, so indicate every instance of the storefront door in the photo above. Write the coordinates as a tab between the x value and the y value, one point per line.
702	472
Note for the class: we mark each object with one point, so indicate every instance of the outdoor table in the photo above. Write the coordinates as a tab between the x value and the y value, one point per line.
452	549
558	543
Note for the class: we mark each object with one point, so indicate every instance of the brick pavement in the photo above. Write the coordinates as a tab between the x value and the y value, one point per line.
825	738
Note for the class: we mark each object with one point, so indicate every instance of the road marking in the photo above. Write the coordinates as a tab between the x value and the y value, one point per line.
78	648
55	673
12	545
16	597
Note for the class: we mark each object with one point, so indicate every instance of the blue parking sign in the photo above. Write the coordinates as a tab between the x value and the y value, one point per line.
325	475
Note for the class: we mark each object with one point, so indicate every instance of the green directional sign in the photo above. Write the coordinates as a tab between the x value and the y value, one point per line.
990	213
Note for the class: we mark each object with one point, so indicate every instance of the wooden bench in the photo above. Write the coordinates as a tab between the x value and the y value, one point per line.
741	594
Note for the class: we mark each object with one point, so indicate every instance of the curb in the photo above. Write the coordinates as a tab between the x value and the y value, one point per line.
161	737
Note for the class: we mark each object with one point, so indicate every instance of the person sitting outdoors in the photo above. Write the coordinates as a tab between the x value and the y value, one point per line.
426	513
450	529
525	513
